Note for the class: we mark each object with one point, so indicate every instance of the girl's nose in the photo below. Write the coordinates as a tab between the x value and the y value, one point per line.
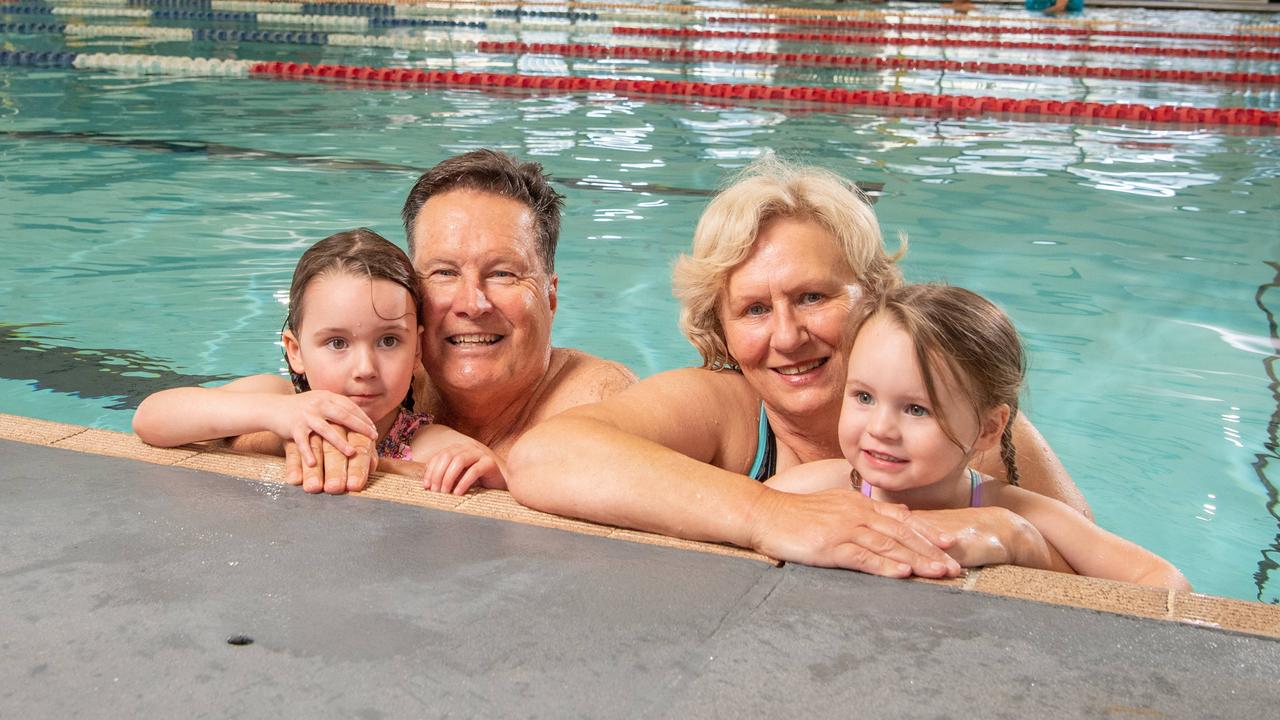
883	422
364	366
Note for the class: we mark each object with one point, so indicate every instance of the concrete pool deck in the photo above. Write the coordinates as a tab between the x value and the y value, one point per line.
124	577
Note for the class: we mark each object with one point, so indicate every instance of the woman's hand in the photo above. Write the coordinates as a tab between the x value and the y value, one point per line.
318	415
841	528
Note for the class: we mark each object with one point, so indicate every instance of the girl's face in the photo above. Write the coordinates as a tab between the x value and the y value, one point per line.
359	338
889	430
784	312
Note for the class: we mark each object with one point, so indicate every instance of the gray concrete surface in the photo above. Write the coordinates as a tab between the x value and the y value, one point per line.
122	581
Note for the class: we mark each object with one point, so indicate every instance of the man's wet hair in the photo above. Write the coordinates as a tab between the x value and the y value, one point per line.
500	174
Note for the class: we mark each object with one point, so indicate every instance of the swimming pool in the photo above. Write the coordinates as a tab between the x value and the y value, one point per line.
152	222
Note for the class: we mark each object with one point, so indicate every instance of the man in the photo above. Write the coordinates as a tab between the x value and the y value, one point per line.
482	231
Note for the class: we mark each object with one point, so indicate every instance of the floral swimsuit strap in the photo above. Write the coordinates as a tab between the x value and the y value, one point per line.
396	443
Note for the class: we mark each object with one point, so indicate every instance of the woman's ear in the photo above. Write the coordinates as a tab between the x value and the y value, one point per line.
293	351
993	422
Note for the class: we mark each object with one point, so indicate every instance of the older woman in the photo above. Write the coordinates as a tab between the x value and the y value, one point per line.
779	259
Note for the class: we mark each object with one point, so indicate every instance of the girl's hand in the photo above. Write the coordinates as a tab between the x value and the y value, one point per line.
989	536
321	415
455	468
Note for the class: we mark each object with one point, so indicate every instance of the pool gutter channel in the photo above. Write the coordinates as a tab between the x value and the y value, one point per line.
1226	614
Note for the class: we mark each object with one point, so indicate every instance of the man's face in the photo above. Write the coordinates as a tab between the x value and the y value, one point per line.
488	300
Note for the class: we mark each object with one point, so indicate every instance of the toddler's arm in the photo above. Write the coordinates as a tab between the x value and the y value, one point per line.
455	462
256	403
1087	548
813	477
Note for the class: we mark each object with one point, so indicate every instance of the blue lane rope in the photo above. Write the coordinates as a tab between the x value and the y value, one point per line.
177	10
37	59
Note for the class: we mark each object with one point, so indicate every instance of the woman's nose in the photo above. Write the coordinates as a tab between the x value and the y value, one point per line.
789	331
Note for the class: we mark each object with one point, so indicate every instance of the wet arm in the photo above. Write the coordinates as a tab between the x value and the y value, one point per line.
191	414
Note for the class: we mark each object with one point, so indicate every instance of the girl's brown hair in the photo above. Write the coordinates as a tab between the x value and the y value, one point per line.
971	340
357	252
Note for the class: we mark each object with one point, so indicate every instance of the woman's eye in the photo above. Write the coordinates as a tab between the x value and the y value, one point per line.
810	298
755	309
336	344
917	411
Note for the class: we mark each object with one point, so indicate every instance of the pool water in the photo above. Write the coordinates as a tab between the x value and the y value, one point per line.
151	224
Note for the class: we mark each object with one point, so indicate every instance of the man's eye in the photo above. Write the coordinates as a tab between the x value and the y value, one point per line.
917	411
444	272
336	343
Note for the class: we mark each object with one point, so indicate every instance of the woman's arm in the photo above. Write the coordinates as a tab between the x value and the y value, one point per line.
652	458
1087	548
1039	469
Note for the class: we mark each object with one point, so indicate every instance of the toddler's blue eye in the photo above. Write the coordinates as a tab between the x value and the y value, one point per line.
917	411
864	398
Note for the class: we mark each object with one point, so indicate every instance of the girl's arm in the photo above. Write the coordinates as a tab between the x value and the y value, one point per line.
252	404
1087	548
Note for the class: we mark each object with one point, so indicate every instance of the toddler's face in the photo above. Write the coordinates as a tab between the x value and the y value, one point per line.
889	430
359	338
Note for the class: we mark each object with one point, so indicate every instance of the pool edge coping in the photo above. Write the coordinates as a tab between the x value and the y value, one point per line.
1120	598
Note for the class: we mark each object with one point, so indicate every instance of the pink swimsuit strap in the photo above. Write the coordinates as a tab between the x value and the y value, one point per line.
397	442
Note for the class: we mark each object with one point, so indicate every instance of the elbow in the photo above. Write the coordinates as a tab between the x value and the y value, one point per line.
146	428
1167	576
528	465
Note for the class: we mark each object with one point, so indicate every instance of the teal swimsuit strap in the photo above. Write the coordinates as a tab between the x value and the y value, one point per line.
975	488
762	447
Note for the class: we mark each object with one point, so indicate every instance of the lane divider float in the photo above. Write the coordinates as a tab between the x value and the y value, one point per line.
684	33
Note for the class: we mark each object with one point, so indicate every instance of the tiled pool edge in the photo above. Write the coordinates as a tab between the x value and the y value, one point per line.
1041	586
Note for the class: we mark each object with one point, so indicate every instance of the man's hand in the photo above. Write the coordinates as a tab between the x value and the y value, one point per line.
841	528
334	473
321	415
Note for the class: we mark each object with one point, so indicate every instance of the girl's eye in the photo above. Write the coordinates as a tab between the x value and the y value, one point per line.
863	397
388	341
336	344
917	411
755	310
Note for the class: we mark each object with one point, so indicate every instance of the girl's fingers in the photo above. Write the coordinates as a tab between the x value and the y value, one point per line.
302	443
457	465
333	435
469	478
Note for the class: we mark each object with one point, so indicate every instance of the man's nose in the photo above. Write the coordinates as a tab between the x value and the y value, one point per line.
471	300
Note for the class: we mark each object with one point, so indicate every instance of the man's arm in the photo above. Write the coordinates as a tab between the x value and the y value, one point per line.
1039	469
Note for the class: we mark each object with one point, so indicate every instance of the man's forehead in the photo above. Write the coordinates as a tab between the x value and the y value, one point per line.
473	221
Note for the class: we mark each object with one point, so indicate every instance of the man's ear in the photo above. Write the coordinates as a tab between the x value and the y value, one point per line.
552	286
293	351
993	423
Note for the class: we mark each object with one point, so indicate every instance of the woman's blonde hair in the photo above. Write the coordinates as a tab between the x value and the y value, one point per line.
765	190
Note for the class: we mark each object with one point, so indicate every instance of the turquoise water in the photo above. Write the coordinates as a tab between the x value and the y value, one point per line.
151	224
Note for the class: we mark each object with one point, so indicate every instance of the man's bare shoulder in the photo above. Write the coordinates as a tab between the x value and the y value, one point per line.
577	378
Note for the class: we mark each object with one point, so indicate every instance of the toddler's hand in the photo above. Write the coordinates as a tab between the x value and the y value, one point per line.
455	468
324	414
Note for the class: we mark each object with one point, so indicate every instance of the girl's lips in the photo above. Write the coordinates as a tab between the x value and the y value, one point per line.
883	460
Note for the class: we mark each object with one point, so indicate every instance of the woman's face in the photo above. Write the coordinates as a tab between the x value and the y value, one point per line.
785	311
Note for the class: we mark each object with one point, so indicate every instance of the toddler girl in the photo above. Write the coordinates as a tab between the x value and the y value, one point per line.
933	379
351	342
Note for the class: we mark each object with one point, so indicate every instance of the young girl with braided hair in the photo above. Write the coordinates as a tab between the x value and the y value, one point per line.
933	379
